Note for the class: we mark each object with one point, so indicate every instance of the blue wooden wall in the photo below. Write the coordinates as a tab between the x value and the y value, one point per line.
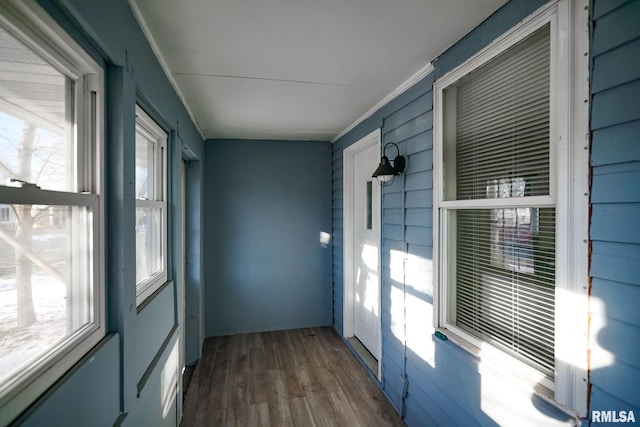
124	379
615	198
446	385
267	203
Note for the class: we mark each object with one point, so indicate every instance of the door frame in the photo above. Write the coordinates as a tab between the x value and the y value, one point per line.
348	158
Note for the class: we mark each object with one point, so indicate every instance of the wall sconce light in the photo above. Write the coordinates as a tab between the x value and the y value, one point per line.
386	172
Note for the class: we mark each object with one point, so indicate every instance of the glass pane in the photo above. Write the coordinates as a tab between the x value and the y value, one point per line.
45	281
144	167
148	243
496	125
503	277
36	144
369	205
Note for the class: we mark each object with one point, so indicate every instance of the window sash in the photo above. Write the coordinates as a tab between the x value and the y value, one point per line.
502	291
450	203
156	139
34	28
497	126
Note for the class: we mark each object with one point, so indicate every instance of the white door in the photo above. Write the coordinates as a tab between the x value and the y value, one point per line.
366	238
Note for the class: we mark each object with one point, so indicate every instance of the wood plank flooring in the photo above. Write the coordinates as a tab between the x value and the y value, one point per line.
301	377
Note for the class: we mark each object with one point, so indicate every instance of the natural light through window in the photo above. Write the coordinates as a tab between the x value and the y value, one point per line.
151	206
51	291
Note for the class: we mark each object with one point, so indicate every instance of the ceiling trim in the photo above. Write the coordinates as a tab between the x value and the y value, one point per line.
419	75
163	63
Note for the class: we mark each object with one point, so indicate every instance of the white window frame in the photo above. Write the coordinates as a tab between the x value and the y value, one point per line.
28	22
158	200
569	143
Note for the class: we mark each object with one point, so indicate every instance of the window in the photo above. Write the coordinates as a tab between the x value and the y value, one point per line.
151	206
5	215
502	179
51	280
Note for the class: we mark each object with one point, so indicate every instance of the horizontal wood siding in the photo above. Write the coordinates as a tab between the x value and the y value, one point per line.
615	197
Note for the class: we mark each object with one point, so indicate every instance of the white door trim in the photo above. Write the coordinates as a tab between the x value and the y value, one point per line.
348	161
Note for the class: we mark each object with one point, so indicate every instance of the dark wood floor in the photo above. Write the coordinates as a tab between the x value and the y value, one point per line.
302	377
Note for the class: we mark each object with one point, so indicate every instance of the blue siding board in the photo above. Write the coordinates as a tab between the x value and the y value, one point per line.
614	187
422	161
616	144
391	199
418	179
615	267
392	216
415	416
415	108
601	8
616	223
437	407
420	142
617	105
419	235
389	245
614	68
390	231
420	217
419	199
618	301
615	338
415	126
616	262
423	251
603	401
621	380
615	29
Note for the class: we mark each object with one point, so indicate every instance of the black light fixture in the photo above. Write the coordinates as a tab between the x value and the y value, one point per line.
386	172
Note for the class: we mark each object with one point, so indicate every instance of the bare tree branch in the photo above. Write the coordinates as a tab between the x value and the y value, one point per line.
5	167
33	257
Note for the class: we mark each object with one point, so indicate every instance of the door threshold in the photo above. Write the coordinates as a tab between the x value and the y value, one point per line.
365	355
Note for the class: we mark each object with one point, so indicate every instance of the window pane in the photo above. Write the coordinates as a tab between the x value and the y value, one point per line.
496	124
503	278
36	144
148	243
45	282
144	167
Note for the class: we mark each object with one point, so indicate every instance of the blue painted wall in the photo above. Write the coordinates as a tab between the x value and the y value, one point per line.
266	203
122	381
615	197
446	385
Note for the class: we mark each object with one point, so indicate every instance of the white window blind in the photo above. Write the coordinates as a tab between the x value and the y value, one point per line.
501	123
501	257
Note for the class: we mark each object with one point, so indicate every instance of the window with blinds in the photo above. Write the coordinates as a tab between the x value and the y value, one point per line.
500	237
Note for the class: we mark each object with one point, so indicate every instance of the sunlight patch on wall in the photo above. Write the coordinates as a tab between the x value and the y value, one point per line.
419	274
600	357
169	382
397	312
325	239
414	308
420	328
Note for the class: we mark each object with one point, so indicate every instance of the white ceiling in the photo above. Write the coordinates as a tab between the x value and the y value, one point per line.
297	69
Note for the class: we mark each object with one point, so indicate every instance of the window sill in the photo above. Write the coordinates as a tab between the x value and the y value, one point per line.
494	362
